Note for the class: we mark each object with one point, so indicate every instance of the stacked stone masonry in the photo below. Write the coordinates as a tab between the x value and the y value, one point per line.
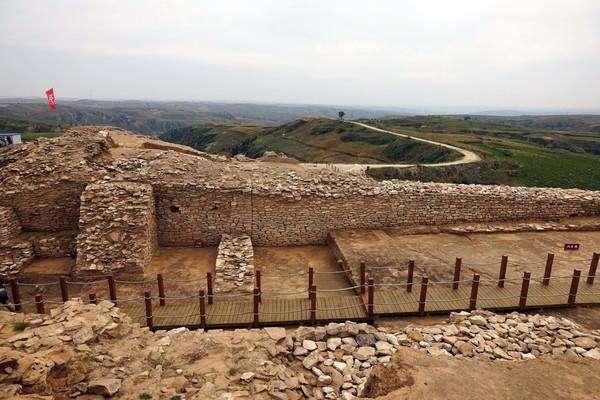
234	267
14	252
86	181
9	225
117	228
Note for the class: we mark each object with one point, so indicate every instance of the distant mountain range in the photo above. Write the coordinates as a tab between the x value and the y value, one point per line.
155	117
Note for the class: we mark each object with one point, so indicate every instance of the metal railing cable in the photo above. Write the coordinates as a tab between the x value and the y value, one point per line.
332	272
339	290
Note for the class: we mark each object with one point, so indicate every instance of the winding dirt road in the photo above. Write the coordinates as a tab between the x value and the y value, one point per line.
467	155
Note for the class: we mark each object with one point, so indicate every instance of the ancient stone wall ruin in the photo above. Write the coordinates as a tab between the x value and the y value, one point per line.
117	228
121	200
192	217
14	252
234	267
9	224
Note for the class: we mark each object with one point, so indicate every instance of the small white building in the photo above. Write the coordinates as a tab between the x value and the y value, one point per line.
7	139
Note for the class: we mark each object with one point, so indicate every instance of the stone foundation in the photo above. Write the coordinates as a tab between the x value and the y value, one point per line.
234	268
117	229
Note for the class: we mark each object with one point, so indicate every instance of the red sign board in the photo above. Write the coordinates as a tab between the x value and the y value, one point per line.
571	246
51	99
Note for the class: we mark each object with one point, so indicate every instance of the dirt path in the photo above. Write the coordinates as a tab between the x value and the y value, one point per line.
468	156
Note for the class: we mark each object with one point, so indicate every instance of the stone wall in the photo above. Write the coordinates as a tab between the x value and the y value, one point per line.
187	216
15	256
234	267
9	225
117	229
47	208
52	244
281	222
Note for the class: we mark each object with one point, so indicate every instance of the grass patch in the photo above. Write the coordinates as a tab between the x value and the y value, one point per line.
518	156
30	136
20	326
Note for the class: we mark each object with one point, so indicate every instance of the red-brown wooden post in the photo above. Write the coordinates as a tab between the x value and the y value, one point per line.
423	295
371	299
16	295
474	291
574	287
258	285
112	289
148	309
524	290
64	291
548	270
363	278
202	300
161	289
313	304
39	304
411	273
92	297
502	275
255	307
593	268
457	267
311	280
209	287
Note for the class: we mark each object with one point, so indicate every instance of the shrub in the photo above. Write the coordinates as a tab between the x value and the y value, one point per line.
20	326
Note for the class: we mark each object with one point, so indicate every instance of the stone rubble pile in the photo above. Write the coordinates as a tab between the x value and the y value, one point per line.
340	356
485	335
54	345
234	267
73	323
85	350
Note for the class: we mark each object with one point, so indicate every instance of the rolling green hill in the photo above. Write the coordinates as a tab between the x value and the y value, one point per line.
310	140
512	155
29	130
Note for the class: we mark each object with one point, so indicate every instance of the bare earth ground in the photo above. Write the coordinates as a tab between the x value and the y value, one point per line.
184	270
285	269
413	375
435	254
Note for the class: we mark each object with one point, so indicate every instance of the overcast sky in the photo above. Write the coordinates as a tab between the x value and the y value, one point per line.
485	53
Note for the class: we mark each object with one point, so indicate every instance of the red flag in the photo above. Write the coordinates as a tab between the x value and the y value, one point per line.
51	100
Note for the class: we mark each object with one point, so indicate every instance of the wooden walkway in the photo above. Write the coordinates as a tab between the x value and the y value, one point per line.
239	313
361	301
440	298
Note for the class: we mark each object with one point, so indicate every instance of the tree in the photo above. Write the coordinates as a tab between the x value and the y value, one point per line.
341	115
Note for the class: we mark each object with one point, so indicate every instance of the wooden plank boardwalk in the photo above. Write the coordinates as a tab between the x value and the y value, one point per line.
440	298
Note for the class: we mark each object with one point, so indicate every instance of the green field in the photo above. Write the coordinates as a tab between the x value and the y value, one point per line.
310	140
512	155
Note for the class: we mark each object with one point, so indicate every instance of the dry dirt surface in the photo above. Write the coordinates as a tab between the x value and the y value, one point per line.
413	375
